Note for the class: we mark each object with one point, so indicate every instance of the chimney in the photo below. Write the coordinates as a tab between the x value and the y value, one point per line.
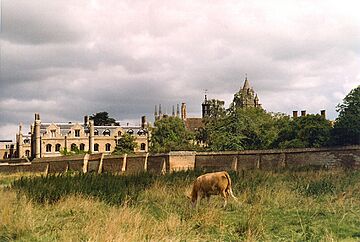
143	122
173	111
37	116
86	120
323	113
303	113
183	111
160	113
177	110
295	114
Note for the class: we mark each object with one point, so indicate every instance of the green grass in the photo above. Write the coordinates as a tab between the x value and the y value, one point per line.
306	205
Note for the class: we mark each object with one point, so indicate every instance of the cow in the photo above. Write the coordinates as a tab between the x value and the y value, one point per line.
216	183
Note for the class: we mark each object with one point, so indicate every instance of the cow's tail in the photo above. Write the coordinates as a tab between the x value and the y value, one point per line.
228	188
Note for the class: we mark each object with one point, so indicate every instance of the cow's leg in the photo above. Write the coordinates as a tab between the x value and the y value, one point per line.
224	195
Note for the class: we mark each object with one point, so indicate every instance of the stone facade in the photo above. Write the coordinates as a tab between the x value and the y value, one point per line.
246	97
49	139
7	149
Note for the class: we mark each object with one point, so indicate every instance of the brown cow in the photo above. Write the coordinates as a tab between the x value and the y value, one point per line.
212	184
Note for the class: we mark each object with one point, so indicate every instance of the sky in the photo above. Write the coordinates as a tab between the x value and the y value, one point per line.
66	59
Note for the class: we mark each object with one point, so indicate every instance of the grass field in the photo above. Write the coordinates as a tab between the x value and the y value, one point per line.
274	206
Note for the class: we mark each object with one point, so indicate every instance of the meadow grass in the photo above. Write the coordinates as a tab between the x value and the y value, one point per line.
312	205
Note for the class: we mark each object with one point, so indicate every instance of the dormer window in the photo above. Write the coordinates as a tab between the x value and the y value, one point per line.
130	131
53	133
96	132
119	133
106	132
77	132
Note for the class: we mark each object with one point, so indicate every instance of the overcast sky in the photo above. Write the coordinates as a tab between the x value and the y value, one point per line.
65	59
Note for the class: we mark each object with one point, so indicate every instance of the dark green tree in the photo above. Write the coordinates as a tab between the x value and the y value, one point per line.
170	134
103	119
126	144
347	125
249	128
305	131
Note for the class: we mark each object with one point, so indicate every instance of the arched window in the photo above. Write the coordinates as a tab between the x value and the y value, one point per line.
96	147
119	133
27	153
130	131
82	146
57	147
73	147
48	148
142	146
96	132
106	132
26	141
107	147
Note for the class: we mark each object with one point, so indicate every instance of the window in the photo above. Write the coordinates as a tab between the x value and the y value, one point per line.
106	132
141	132
119	133
107	147
48	148
96	147
130	131
82	146
74	147
96	132
52	133
57	147
142	146
27	153
26	141
77	132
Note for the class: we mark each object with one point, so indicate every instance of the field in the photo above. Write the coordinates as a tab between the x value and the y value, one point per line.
306	205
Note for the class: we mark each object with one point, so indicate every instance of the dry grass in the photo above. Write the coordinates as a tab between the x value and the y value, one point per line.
273	210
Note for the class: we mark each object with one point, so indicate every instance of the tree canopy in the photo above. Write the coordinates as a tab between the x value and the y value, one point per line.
347	126
126	144
170	134
103	119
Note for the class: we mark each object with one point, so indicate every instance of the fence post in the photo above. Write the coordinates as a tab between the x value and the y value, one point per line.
146	162
85	164
101	164
123	168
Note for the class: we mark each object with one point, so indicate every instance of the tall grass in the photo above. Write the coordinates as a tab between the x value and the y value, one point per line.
274	206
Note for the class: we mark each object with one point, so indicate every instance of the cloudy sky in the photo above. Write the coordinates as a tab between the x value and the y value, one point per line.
65	59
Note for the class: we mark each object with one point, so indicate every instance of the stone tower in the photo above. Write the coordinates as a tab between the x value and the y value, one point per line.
246	97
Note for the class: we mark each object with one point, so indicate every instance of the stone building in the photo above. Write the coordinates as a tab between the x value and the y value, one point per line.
246	97
7	149
49	139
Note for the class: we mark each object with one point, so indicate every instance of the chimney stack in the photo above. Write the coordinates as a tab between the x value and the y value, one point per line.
143	122
183	111
323	113
303	113
295	114
86	120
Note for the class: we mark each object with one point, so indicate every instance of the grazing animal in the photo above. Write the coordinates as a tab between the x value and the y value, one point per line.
216	183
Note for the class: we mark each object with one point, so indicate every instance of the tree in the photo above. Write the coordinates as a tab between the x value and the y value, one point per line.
170	134
102	119
347	125
126	144
305	131
248	128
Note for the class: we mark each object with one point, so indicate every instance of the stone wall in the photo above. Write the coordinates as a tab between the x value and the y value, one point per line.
346	157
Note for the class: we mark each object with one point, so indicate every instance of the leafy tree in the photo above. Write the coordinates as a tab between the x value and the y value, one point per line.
347	125
126	144
249	128
170	134
305	131
102	119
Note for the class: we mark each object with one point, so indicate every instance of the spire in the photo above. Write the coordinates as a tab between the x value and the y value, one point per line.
246	84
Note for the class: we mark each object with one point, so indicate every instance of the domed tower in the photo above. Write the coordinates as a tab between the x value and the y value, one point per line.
246	97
